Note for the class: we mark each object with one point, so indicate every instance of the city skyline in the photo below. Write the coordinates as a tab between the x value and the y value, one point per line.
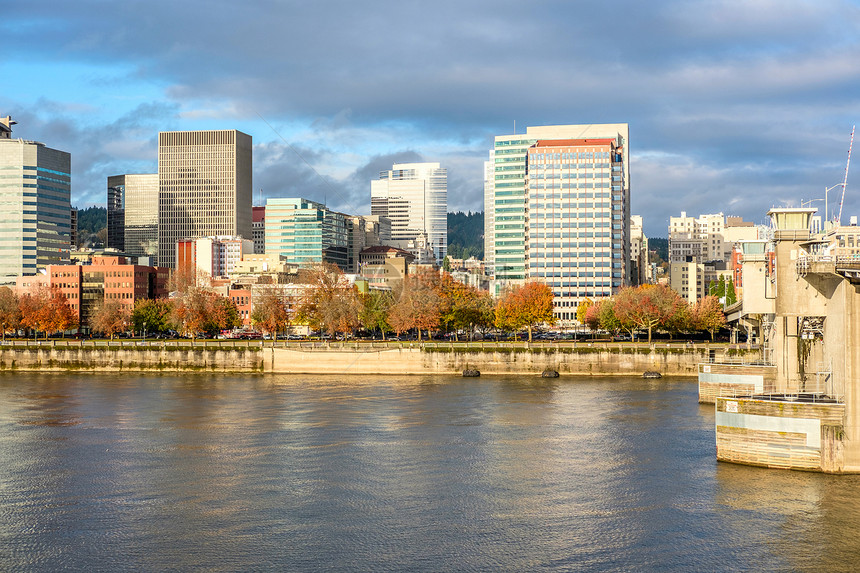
735	107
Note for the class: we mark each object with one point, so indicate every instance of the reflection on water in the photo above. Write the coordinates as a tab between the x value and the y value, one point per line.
421	473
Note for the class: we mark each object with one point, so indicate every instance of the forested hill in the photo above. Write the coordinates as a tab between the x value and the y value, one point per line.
92	219
466	235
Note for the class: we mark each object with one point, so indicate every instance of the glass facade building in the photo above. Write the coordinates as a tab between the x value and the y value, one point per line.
306	232
543	199
575	213
133	214
35	206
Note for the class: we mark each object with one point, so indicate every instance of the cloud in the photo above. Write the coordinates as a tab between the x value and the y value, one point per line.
732	104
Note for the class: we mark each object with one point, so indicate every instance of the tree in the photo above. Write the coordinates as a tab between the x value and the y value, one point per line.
376	305
582	310
190	313
223	313
111	318
646	306
525	306
271	313
606	317
329	303
591	316
10	313
151	315
186	277
708	315
418	304
462	307
63	317
46	309
731	295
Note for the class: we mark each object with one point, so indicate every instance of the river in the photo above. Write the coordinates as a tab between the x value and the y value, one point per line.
288	473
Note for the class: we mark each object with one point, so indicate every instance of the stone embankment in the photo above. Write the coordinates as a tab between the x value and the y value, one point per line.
367	358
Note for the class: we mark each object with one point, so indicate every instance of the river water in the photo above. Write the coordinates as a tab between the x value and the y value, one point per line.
287	473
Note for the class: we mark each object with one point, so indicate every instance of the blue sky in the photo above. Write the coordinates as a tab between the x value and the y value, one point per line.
734	106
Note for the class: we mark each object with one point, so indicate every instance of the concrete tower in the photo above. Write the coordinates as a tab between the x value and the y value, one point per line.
204	187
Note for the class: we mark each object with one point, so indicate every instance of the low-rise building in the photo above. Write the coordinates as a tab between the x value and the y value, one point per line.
106	278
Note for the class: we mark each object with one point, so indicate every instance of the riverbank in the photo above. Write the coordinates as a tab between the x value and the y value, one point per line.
624	359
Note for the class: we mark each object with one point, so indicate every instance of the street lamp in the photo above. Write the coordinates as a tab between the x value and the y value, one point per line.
144	331
826	191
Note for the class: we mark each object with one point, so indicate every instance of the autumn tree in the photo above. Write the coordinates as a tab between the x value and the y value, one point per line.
681	320
462	307
582	310
329	303
111	318
223	313
591	317
190	312
708	315
525	306
10	313
151	315
646	306
270	312
418	304
48	310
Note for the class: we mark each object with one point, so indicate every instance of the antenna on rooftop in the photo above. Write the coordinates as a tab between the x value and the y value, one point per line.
845	179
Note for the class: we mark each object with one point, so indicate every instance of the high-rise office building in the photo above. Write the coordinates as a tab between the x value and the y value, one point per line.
573	190
306	232
489	214
35	205
415	197
132	214
577	228
204	187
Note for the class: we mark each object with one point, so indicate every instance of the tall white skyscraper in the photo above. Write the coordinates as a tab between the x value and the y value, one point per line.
489	214
35	205
204	187
415	197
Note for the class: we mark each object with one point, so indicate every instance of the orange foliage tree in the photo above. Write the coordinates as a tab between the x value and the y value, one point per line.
708	315
525	306
647	306
329	303
47	309
10	313
418	304
271	313
463	307
112	317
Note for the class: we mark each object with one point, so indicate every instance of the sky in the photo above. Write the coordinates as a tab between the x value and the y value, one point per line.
734	106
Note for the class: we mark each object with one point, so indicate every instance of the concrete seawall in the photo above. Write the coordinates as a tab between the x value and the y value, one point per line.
359	359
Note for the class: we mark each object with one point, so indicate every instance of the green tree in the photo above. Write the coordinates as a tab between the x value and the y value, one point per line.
376	305
151	315
731	296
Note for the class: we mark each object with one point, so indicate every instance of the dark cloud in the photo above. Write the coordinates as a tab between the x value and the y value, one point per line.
733	105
